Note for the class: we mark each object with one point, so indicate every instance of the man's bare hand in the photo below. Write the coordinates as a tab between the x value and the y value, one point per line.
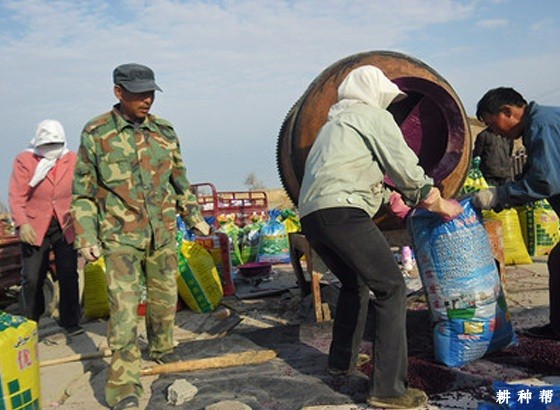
202	229
90	253
448	209
486	198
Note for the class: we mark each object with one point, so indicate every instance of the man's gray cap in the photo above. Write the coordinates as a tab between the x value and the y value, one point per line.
135	78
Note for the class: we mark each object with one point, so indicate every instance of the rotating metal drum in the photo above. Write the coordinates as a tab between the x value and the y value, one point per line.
432	120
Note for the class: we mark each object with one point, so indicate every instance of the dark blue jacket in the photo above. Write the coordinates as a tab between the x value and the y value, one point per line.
541	175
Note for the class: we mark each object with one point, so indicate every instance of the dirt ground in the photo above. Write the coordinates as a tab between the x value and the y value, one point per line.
283	321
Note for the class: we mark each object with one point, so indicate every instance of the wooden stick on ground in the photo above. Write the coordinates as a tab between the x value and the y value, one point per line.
105	352
227	360
217	331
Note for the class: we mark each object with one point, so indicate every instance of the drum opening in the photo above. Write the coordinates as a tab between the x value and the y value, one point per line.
432	125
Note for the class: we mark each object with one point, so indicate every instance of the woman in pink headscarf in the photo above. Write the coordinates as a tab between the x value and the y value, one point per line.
39	195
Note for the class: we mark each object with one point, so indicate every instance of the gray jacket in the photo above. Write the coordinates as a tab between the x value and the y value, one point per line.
347	163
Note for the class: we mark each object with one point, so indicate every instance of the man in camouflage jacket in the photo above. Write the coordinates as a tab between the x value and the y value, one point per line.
129	183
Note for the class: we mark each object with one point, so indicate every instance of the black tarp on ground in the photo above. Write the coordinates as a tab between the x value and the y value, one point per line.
297	377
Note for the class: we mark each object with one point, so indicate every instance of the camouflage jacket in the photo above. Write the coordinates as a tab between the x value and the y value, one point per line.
129	183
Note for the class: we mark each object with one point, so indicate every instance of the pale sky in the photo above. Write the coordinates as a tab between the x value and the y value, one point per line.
231	70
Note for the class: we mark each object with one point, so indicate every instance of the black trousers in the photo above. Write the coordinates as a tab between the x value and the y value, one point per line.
355	250
554	287
35	265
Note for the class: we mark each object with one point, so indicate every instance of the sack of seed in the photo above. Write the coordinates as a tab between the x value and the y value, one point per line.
462	285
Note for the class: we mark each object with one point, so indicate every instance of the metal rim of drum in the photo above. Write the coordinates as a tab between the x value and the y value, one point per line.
422	83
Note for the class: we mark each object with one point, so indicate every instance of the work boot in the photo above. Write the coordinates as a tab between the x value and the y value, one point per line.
74	330
361	361
128	402
337	372
412	399
167	358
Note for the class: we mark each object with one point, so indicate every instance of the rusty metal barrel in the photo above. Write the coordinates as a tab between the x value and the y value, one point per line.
432	120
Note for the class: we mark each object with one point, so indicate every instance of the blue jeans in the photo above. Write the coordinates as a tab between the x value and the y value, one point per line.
355	250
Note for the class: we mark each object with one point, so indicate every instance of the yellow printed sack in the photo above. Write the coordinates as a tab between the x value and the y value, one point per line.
96	294
19	363
198	281
539	226
217	245
515	251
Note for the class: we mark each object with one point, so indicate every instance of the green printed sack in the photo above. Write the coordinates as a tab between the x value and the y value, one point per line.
475	180
274	246
250	242
234	233
539	226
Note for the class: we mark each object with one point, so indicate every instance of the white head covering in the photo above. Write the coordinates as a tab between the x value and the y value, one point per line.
366	84
50	144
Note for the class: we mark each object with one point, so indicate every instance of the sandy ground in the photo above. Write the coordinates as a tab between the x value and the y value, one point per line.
296	378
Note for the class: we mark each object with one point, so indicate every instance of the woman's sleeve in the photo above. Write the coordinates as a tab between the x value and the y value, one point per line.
397	160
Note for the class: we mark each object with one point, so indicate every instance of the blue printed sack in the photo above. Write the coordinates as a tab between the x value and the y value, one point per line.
462	285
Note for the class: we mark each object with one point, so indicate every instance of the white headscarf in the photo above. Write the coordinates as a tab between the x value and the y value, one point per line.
366	84
48	132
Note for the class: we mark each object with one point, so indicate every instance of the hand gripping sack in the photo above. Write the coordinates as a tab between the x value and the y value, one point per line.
462	285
